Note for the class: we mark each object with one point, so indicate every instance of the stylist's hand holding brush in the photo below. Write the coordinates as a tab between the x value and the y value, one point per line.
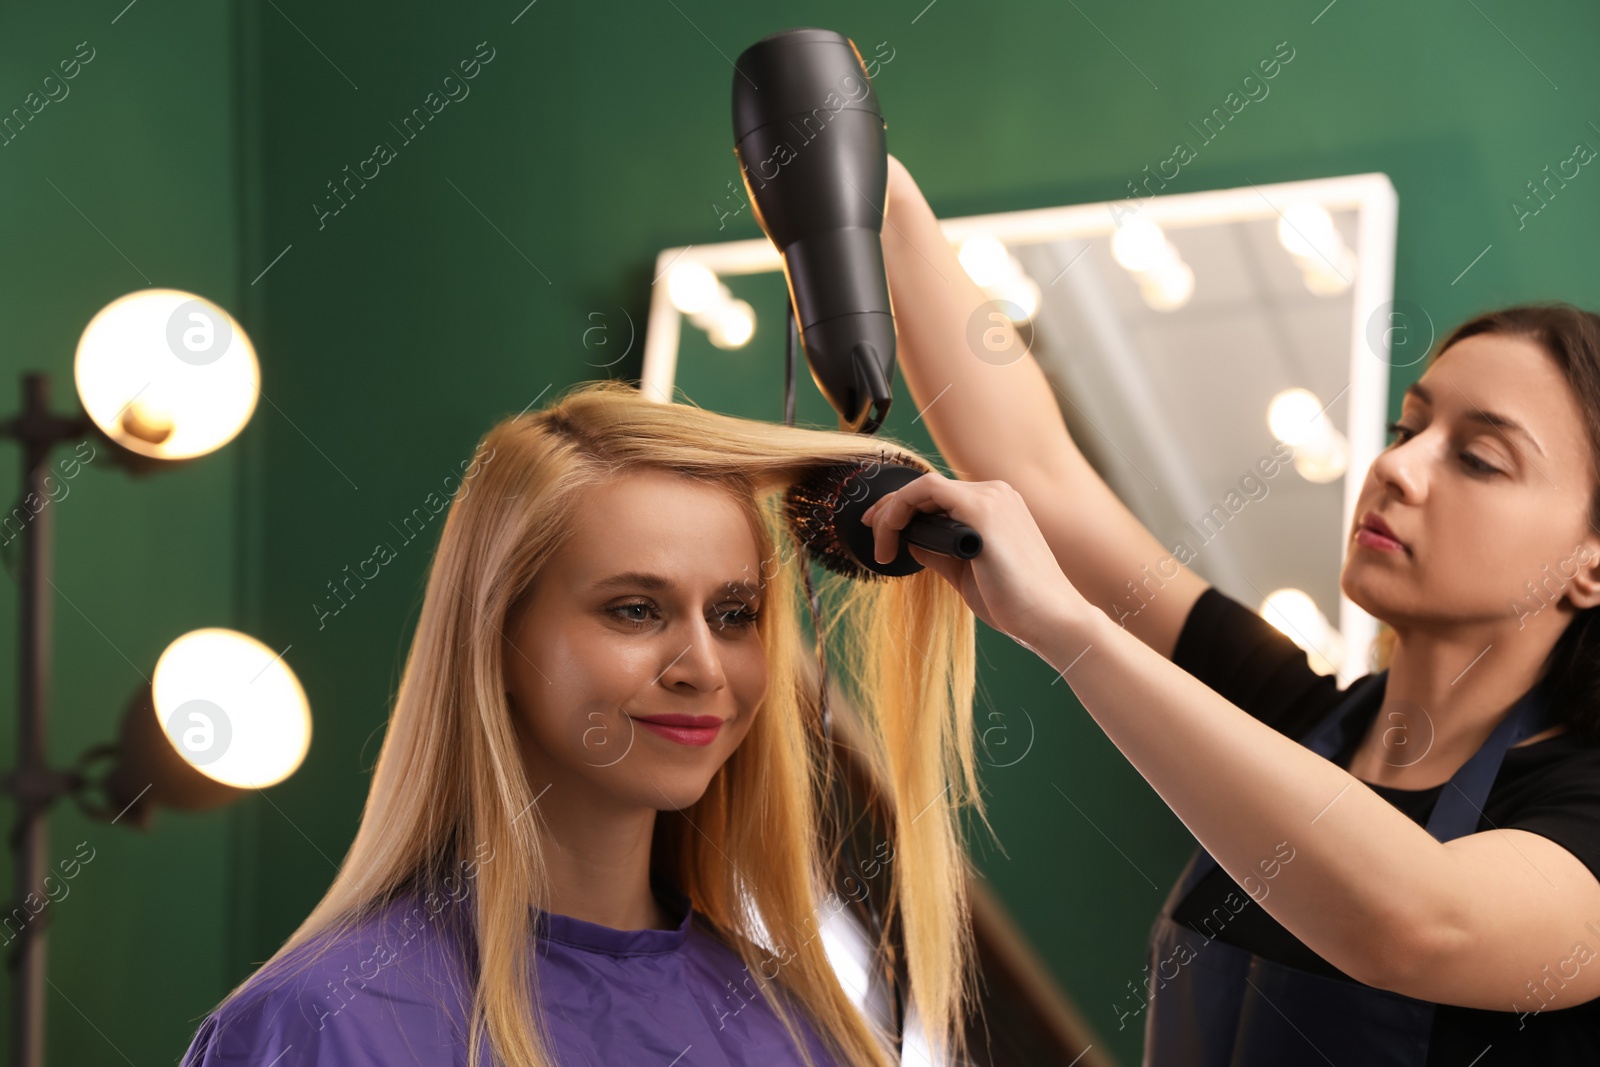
1014	584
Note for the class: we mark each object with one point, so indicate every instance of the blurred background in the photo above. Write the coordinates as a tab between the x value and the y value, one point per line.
507	250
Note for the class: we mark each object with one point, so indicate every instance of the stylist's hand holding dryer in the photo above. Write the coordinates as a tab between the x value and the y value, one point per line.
1432	832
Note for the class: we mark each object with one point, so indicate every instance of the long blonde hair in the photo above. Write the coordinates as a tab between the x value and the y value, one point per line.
449	779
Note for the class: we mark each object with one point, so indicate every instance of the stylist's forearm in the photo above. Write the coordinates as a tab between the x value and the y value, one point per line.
1362	873
990	421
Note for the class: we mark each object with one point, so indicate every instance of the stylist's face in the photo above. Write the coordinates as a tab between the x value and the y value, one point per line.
637	618
1481	509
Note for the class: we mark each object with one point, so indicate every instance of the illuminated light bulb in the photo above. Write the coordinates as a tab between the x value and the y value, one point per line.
692	287
1168	287
728	323
733	326
1321	452
1021	294
985	260
1325	280
1140	245
1323	460
231	707
1295	417
1297	617
147	418
1306	229
1002	277
166	373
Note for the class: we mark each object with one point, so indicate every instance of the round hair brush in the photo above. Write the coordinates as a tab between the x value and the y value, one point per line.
824	510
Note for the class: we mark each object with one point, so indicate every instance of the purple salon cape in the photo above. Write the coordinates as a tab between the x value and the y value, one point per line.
392	991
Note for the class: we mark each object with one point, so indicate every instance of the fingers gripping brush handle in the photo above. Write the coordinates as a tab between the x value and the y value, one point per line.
825	510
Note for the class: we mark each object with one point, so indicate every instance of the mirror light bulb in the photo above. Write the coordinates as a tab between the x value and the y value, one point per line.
1298	618
1139	245
1306	229
1324	461
1168	287
734	325
692	287
1295	417
985	260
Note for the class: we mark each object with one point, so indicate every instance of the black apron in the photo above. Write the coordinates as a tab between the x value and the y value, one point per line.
1227	1007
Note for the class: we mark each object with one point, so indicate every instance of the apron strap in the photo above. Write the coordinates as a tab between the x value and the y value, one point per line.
1460	804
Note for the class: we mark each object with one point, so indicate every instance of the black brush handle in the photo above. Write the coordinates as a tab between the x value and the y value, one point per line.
940	533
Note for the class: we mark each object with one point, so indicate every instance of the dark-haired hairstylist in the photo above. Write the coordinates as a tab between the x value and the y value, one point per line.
1442	909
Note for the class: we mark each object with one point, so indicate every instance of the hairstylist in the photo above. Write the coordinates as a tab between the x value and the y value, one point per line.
1441	909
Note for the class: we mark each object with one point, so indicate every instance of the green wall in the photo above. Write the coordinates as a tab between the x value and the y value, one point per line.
468	276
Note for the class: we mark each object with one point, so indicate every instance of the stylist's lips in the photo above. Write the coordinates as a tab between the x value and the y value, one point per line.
1375	533
684	729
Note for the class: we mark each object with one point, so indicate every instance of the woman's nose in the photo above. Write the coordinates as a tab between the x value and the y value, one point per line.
698	661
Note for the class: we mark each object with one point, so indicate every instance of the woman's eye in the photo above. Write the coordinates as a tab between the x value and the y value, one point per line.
1479	466
1395	427
739	617
636	621
732	618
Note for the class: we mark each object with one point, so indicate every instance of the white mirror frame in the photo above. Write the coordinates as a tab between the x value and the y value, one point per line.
1372	196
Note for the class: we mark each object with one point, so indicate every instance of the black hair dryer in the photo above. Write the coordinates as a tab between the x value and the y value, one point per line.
810	142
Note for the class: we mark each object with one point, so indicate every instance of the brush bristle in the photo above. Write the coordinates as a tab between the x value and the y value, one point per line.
812	504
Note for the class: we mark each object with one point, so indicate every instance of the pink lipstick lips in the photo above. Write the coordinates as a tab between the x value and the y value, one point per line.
693	730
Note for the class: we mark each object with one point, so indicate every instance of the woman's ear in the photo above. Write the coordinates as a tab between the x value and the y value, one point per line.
1583	588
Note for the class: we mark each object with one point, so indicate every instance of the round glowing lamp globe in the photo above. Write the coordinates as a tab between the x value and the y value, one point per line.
167	374
232	708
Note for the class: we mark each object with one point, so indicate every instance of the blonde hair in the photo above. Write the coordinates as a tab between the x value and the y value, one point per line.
748	853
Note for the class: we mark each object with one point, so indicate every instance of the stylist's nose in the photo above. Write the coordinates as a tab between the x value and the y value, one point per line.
1402	468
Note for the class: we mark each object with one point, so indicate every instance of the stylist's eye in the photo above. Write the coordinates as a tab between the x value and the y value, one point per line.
1396	428
1471	462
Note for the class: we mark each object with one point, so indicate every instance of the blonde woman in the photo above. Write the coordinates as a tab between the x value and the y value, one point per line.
592	834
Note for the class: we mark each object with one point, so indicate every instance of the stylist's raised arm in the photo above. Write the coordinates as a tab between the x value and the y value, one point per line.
997	418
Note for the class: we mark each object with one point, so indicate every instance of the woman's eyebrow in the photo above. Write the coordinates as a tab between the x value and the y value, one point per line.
645	580
636	578
1477	414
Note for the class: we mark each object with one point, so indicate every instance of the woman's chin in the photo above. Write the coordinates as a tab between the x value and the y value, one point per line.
666	788
677	799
